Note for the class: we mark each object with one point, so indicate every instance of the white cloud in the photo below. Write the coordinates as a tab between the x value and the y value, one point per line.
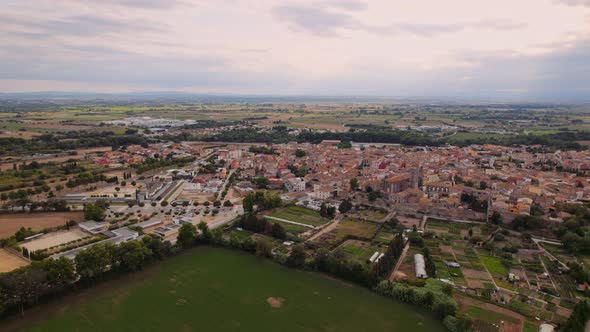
574	2
301	46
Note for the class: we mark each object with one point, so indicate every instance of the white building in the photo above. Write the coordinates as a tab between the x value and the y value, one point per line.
234	154
93	227
295	184
116	237
420	266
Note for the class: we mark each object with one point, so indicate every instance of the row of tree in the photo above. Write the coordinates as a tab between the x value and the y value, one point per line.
96	211
154	163
260	201
68	141
561	140
435	296
261	225
579	318
51	277
383	267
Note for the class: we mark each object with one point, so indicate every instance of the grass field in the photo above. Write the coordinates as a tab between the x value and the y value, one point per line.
385	235
488	316
530	327
494	265
359	250
210	289
291	228
300	215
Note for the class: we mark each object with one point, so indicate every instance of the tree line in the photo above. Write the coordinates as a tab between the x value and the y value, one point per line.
154	163
385	265
261	225
71	140
562	140
44	280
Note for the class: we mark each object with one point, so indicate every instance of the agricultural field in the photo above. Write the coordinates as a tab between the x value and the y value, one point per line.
486	320
453	231
442	253
10	261
409	222
407	270
559	252
359	251
212	289
348	228
300	215
291	228
372	214
386	235
318	115
239	234
12	222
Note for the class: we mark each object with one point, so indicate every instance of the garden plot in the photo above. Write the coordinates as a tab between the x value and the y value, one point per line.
372	214
348	228
360	251
409	222
478	279
386	235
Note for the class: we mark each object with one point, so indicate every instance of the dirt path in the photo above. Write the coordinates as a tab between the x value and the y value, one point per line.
326	229
289	222
399	261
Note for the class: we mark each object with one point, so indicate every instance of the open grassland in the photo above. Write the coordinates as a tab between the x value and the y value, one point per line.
210	289
12	222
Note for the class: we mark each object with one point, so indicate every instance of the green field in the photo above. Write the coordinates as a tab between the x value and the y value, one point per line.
488	315
291	228
300	215
494	265
210	289
360	251
530	327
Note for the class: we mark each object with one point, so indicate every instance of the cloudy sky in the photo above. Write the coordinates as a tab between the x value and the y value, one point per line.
506	49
